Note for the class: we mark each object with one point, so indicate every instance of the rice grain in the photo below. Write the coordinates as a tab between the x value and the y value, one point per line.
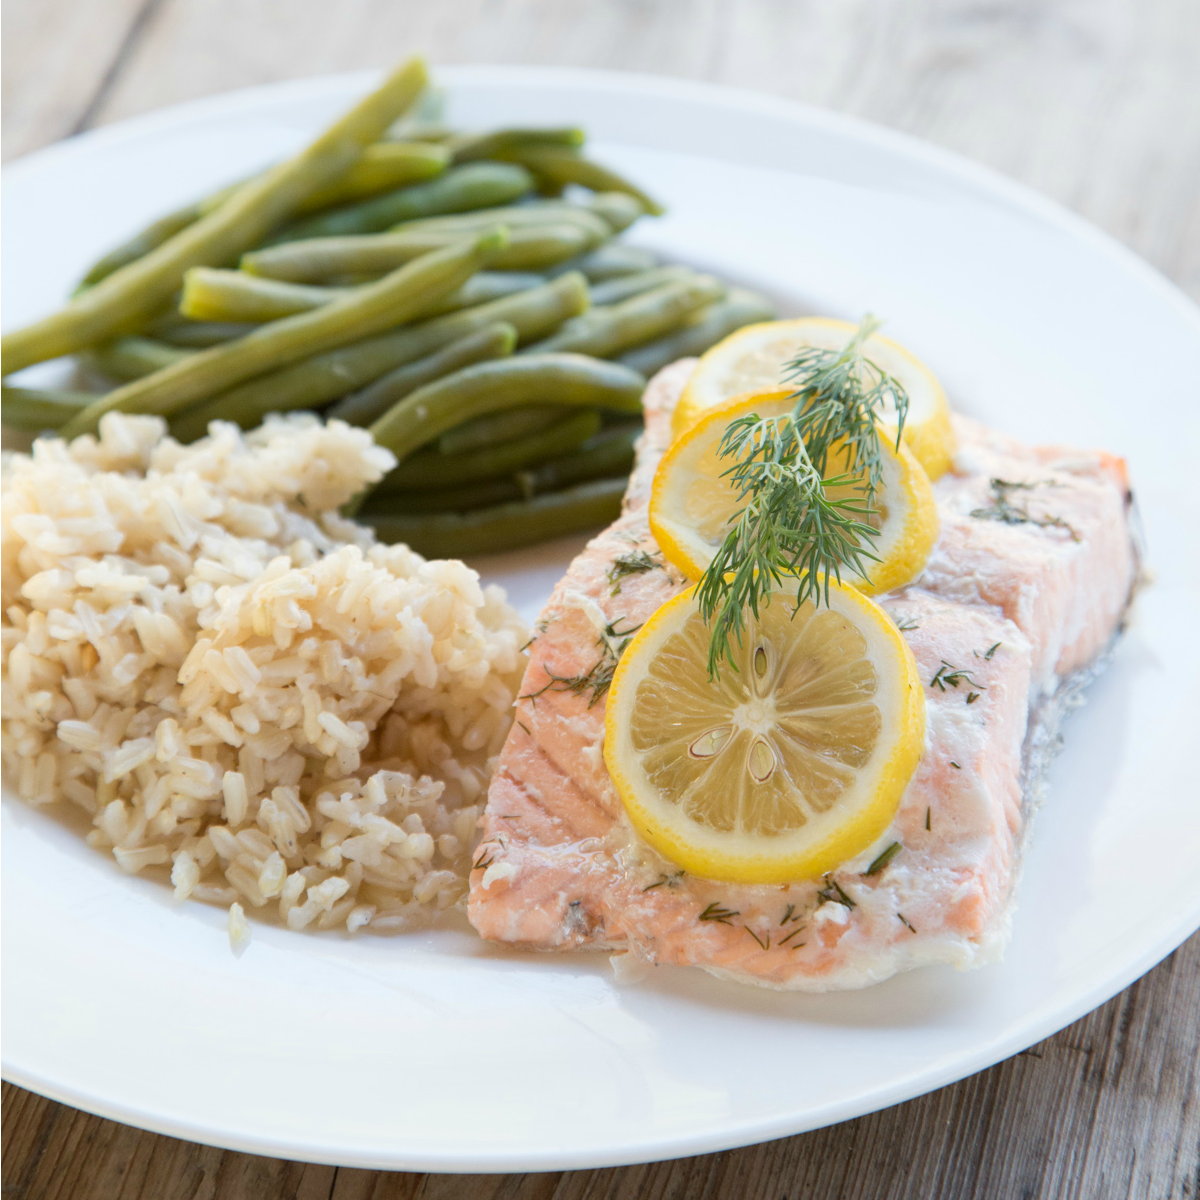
239	686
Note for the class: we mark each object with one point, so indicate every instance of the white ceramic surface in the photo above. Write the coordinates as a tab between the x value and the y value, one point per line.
435	1051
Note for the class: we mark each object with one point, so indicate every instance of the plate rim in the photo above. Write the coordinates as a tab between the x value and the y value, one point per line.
985	179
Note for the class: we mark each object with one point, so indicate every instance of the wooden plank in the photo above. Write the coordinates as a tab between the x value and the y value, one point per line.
1108	1107
1094	105
59	58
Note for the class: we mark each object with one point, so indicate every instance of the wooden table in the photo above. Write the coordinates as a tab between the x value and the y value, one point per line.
1096	104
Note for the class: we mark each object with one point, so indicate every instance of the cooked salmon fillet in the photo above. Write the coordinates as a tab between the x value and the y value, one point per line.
1025	591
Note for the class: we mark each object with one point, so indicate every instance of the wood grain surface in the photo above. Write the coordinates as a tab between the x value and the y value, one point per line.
1093	102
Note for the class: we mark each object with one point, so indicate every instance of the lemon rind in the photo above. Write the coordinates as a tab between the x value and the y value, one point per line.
932	441
759	866
916	539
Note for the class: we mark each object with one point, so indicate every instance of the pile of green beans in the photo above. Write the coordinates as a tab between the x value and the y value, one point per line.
461	295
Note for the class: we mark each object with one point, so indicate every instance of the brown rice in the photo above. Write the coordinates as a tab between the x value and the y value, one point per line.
238	686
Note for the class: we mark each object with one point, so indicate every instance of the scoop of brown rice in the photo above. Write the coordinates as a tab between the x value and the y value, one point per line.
238	686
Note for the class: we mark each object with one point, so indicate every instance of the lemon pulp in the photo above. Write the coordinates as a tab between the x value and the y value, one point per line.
782	768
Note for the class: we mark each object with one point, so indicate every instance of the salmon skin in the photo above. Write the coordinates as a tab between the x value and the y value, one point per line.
1022	596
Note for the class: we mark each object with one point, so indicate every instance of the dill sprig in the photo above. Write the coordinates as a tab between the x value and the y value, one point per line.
598	678
634	563
948	674
833	891
838	398
666	881
786	523
718	913
1003	509
880	862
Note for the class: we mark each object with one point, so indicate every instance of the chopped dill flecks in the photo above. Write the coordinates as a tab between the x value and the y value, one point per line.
907	922
765	945
905	626
948	674
525	727
784	941
834	891
928	816
666	881
987	654
882	859
485	860
972	697
539	628
955	765
787	915
635	563
1004	510
714	912
598	679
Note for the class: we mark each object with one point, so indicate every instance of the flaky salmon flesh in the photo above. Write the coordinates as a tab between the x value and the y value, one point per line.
1023	594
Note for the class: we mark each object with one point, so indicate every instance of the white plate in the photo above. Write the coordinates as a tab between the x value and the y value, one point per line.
437	1052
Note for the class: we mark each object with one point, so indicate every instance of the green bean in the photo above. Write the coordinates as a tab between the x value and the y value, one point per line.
461	189
196	335
535	247
618	209
141	243
321	259
35	409
613	291
214	294
515	215
419	131
560	165
156	233
135	293
431	469
704	328
480	493
485	287
506	526
510	383
430	106
499	427
606	454
492	341
606	332
499	142
383	167
130	358
533	313
324	377
378	306
610	262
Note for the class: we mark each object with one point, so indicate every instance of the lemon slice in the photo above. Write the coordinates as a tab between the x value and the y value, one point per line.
753	359
692	503
781	770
